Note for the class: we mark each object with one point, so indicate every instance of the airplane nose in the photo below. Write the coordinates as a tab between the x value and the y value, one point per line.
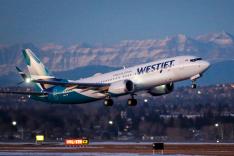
205	65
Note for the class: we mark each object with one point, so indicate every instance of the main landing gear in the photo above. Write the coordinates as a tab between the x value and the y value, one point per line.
132	101
109	102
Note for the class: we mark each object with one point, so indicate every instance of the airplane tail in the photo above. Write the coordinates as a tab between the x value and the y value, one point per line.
36	68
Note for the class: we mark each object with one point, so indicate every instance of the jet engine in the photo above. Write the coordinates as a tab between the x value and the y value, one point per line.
160	90
121	87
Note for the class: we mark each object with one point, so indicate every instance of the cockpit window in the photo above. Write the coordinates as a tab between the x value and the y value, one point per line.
195	59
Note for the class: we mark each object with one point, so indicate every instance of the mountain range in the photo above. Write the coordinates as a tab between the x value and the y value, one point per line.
88	58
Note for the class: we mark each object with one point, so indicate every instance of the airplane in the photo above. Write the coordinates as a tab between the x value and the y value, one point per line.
157	78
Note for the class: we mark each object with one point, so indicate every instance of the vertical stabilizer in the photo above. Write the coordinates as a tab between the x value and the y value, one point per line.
36	68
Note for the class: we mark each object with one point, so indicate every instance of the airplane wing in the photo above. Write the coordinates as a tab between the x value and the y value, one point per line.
85	86
79	85
24	93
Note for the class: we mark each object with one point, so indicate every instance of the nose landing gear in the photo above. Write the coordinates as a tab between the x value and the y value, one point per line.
194	86
194	78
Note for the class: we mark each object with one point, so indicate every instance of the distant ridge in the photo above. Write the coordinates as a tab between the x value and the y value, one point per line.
125	53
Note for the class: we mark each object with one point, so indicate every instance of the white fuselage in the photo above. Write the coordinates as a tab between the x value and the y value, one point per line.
149	75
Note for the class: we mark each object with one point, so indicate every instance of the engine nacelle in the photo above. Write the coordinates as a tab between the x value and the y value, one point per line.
121	87
163	89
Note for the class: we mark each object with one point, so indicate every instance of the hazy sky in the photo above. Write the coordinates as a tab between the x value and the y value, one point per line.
109	21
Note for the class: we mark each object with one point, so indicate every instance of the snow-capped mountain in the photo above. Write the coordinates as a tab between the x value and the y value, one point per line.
222	38
125	53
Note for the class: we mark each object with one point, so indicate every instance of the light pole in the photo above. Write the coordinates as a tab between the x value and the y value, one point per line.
21	129
111	123
220	130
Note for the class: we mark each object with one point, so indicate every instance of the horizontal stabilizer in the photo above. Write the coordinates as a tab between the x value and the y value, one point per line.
22	74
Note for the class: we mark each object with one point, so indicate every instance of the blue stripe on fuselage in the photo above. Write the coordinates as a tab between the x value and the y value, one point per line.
60	97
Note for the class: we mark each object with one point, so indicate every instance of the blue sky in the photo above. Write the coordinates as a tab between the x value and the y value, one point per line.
109	21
